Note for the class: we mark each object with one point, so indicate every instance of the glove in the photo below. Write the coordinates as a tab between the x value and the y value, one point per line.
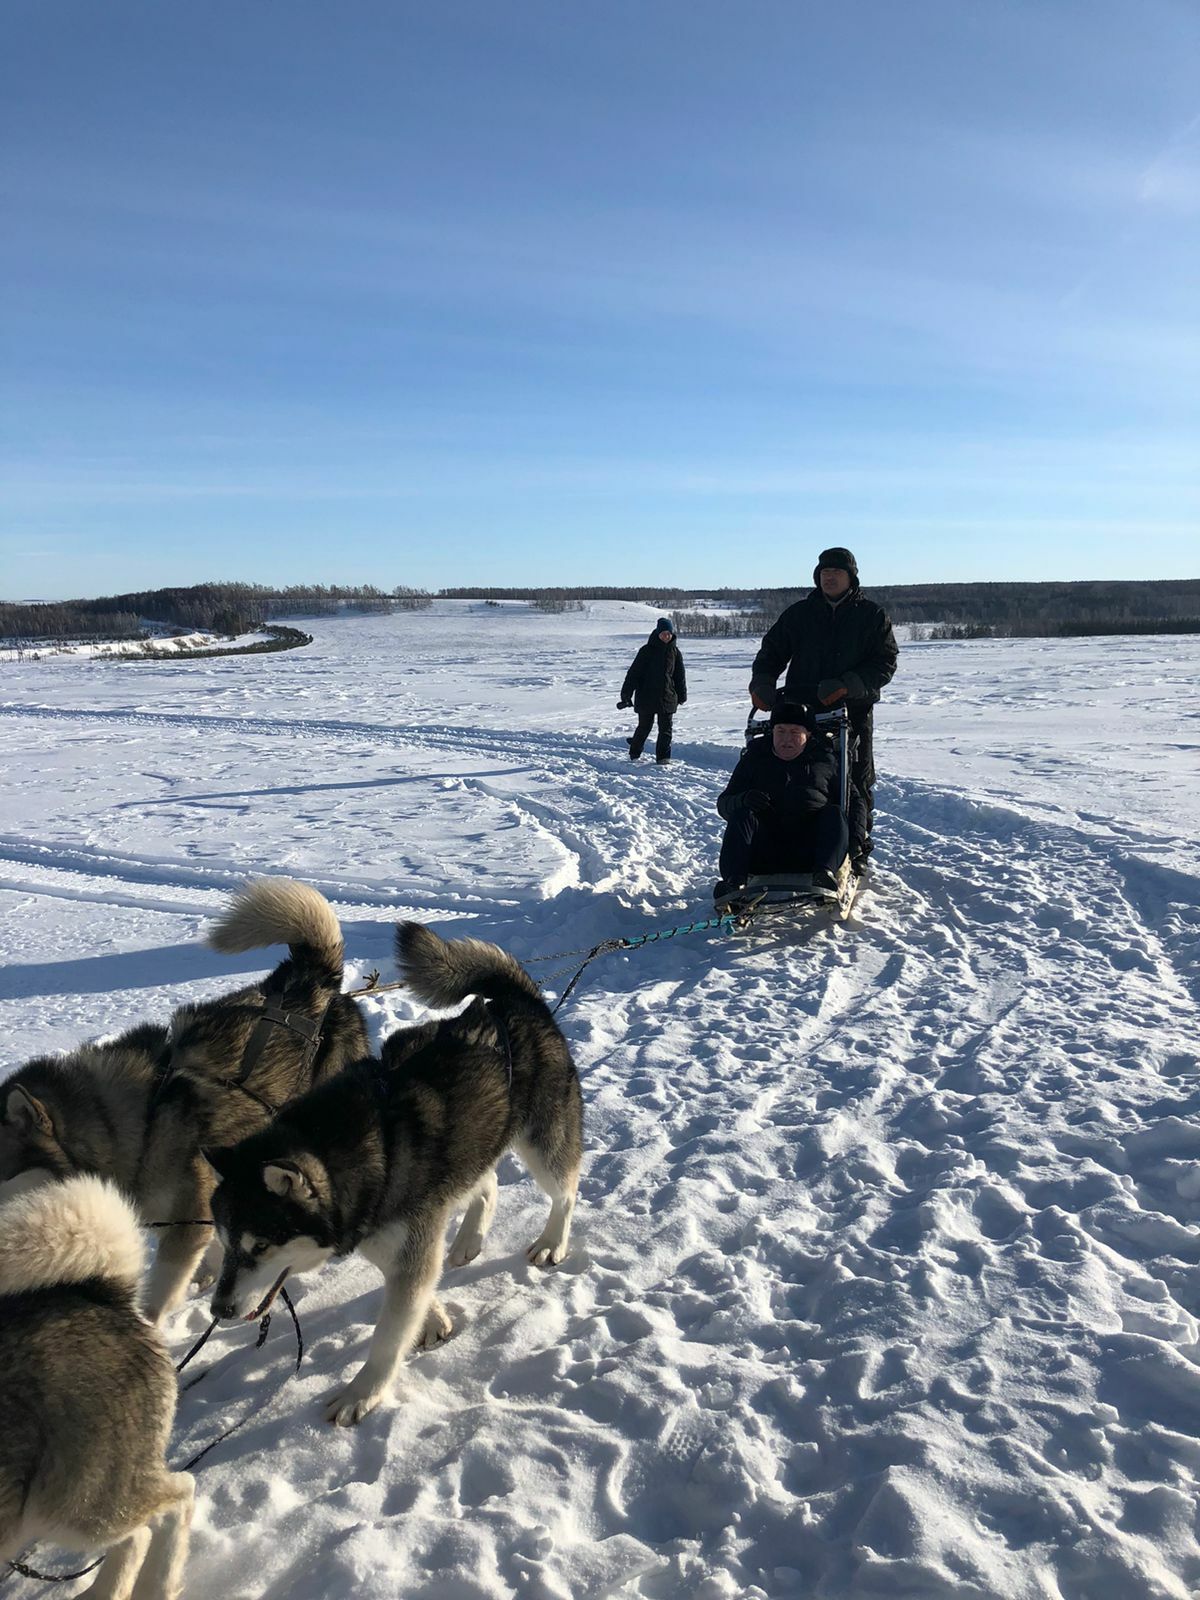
624	705
762	694
831	690
753	800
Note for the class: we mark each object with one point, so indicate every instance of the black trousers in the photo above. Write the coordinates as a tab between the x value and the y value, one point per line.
862	781
765	842
662	745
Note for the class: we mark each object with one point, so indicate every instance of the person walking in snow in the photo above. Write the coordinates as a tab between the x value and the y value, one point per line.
839	649
655	686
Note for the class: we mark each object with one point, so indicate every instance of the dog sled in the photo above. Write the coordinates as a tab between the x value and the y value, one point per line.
794	895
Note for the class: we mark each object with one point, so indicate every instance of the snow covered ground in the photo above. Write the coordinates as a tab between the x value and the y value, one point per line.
886	1274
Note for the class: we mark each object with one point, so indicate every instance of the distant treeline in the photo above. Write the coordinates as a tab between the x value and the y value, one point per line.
957	610
66	621
673	599
225	608
1089	605
1064	630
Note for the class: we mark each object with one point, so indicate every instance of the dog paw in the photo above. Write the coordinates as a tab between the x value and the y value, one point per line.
207	1268
545	1252
438	1326
351	1406
464	1250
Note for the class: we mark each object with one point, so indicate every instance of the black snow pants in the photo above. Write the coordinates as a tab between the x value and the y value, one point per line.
662	745
765	843
862	779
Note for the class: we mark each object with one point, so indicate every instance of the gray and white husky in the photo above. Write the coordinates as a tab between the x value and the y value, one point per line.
87	1393
140	1108
378	1158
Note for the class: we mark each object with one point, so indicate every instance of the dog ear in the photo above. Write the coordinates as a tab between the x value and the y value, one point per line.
289	1180
218	1160
23	1111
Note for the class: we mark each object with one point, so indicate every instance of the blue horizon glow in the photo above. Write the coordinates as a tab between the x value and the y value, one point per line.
610	294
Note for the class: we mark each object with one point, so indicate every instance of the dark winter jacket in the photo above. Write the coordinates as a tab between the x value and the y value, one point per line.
814	640
656	680
796	788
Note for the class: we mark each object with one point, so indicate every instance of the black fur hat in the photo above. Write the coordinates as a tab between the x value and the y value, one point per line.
837	557
792	711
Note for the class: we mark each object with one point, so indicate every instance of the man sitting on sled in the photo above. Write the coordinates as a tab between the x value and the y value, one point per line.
781	807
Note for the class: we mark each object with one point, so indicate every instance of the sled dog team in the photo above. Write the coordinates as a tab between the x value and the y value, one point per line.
264	1111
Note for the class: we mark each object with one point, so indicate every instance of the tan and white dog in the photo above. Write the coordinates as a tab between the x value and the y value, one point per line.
87	1393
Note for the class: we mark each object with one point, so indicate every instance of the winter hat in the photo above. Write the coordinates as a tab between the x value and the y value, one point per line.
837	557
664	625
792	711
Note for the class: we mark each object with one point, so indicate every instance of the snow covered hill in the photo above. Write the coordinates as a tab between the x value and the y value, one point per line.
886	1271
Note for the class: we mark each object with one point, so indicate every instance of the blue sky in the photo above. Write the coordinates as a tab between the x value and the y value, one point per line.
641	290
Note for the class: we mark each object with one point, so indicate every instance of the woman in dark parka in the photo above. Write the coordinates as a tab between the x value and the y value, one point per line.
655	686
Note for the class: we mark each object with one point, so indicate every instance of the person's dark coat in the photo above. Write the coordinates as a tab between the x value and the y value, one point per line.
656	681
816	641
796	789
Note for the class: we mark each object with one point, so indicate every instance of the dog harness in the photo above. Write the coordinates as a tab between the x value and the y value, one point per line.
275	1016
505	1039
271	1016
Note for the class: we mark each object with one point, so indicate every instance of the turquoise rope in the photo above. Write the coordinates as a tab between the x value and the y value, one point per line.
724	920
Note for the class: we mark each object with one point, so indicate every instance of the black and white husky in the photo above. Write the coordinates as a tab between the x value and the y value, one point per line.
379	1158
87	1392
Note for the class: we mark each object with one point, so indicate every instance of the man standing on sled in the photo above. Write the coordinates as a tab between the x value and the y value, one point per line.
656	686
781	807
839	650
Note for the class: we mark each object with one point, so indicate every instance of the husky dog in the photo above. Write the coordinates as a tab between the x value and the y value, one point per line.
87	1392
378	1158
139	1109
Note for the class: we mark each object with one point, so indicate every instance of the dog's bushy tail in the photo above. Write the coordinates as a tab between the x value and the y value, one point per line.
282	911
443	972
67	1233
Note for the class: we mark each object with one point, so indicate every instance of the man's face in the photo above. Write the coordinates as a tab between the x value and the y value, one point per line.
788	739
835	581
665	635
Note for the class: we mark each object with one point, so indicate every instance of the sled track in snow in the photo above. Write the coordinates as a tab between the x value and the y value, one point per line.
468	739
887	1267
939	1183
172	880
582	794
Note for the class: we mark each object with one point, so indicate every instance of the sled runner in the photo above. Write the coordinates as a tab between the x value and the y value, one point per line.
775	894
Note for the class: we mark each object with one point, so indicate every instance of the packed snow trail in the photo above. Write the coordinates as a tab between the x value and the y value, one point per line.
886	1269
